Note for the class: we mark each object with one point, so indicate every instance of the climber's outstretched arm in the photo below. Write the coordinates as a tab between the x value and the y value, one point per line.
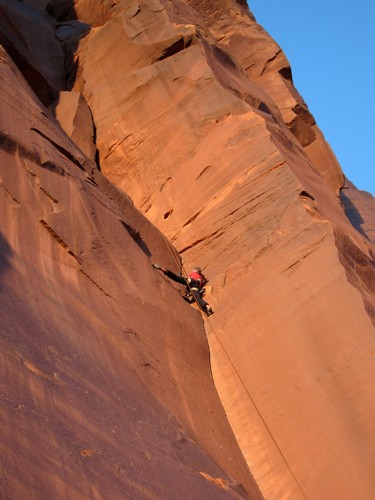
171	275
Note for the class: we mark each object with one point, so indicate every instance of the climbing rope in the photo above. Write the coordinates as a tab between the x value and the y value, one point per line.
257	409
208	319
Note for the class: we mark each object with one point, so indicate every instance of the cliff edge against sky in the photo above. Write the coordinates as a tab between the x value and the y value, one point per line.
145	131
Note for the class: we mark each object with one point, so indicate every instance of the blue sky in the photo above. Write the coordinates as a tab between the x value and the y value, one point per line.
330	45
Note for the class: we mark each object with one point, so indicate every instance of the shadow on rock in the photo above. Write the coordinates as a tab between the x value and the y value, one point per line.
42	43
5	254
352	213
69	32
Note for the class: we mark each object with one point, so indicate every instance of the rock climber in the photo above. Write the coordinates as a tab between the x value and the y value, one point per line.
194	282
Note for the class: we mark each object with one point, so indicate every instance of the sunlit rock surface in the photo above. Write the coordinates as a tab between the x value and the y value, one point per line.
106	390
201	125
75	118
196	118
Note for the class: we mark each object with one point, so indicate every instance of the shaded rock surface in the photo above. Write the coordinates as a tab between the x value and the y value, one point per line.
33	46
196	118
106	389
359	207
75	118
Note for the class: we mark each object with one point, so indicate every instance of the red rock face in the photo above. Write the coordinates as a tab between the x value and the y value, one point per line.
75	118
105	382
202	126
197	120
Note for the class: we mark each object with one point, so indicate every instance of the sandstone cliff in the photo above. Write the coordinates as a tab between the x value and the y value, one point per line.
189	108
106	389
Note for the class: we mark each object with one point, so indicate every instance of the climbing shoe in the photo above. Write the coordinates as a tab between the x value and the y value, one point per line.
156	266
209	311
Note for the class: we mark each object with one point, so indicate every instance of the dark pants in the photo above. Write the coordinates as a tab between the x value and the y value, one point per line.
194	289
198	298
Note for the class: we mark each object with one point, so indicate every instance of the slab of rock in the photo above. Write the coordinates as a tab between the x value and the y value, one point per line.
75	118
106	389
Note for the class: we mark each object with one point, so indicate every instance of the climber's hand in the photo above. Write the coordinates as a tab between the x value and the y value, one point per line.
156	266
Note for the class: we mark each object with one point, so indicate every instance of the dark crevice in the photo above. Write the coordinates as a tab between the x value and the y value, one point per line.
204	171
305	194
71	69
167	214
192	218
12	147
138	11
10	194
174	48
52	167
9	145
92	181
164	184
48	195
59	240
97	159
58	20
286	73
46	92
97	152
95	283
133	232
135	235
262	106
61	11
62	150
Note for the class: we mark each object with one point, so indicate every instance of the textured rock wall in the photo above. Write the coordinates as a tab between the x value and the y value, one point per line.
106	390
196	118
200	123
